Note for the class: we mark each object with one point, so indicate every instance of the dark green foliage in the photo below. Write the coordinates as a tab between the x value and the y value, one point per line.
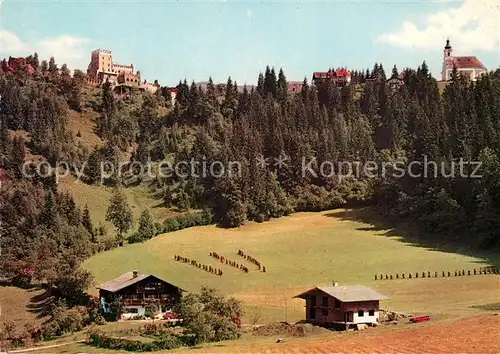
176	223
66	320
37	107
119	213
152	308
45	235
209	317
166	342
146	225
87	223
358	123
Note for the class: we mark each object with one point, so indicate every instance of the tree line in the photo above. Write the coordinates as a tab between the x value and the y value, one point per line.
364	121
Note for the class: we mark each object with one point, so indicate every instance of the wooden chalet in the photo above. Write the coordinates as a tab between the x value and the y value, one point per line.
395	82
134	291
341	306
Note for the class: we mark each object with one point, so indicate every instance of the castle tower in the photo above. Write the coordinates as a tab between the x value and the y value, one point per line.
447	61
100	62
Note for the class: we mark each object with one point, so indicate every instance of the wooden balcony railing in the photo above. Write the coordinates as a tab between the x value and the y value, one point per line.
141	302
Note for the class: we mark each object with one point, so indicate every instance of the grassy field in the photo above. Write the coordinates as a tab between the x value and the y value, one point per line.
19	305
82	126
299	252
302	251
97	199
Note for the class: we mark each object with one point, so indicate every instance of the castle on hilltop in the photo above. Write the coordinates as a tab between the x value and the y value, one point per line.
468	66
102	68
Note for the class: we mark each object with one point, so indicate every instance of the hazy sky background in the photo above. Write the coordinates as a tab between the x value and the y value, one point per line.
173	40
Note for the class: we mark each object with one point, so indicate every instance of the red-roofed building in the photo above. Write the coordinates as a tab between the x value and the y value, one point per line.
339	76
469	66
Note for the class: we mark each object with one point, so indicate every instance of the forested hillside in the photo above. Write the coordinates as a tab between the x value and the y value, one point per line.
284	146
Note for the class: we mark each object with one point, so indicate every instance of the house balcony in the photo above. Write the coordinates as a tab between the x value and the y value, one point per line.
143	301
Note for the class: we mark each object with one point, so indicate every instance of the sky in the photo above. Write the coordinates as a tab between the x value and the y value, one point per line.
176	40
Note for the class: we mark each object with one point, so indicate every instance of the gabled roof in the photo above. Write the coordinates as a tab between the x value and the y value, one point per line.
126	280
332	74
350	293
468	62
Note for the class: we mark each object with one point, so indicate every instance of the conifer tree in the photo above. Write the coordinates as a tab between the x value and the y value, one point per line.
146	225
35	62
44	67
119	213
395	72
260	84
282	86
53	71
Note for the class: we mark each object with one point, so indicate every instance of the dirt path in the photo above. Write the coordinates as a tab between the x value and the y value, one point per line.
470	335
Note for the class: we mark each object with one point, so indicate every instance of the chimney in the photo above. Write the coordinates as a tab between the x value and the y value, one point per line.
334	283
135	273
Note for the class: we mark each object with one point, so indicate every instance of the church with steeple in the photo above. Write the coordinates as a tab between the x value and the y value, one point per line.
469	66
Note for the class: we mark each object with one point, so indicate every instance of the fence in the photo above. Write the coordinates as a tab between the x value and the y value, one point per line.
436	274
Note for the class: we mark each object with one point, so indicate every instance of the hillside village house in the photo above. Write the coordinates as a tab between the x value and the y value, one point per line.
469	66
134	290
395	82
339	76
341	306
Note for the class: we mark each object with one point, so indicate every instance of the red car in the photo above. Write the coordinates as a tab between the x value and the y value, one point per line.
170	316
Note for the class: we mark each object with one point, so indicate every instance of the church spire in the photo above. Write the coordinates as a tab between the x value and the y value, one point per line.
447	49
447	46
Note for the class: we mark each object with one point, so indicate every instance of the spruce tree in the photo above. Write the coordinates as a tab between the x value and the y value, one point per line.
36	62
87	223
119	213
282	86
44	67
260	84
146	225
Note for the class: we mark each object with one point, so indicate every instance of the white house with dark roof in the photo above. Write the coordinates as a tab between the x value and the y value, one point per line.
344	305
469	66
134	290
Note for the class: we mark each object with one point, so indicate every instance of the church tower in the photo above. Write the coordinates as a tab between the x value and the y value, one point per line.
447	61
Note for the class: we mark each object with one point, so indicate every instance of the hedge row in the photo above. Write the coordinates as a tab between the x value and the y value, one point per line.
177	223
100	340
428	274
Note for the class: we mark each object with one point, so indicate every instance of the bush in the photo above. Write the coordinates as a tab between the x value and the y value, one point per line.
64	320
209	317
167	341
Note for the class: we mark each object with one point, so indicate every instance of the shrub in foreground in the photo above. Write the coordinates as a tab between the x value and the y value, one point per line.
100	340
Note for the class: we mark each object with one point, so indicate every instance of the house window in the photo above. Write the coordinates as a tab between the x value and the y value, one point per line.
361	313
324	312
371	313
337	304
325	301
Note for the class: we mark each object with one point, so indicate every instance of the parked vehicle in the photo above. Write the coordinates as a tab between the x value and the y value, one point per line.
170	316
